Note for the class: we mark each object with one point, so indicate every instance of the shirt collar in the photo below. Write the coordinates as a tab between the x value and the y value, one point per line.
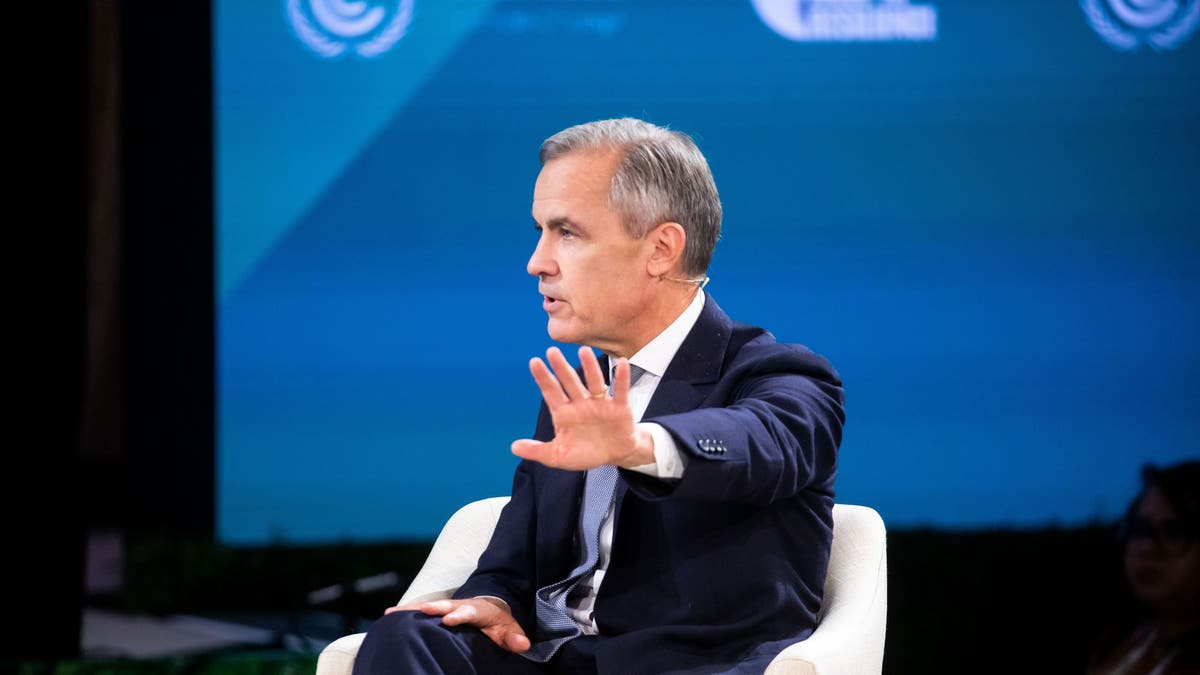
658	353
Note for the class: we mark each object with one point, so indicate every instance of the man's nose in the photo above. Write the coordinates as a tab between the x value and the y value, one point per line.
541	262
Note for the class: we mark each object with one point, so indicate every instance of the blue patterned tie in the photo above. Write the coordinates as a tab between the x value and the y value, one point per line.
554	621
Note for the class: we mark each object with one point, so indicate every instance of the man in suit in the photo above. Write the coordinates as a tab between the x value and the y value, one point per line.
678	519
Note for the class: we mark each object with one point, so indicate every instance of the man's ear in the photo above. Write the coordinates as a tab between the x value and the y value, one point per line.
667	240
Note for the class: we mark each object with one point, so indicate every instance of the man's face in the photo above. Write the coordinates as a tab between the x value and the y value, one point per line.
591	274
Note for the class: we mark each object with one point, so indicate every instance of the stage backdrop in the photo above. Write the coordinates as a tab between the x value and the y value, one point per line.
985	214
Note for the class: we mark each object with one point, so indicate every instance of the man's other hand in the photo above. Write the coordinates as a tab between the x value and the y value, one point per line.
491	617
591	428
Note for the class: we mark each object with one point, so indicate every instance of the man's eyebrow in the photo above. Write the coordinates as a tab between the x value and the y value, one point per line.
557	223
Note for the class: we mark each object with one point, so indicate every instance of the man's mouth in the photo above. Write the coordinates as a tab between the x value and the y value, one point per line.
545	293
549	302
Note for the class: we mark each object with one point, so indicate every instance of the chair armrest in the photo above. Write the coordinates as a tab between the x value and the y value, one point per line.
456	552
338	656
454	555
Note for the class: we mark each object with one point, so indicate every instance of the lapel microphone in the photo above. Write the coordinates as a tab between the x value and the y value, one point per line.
700	281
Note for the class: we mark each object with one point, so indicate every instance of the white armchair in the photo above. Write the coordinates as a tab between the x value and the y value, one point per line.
848	640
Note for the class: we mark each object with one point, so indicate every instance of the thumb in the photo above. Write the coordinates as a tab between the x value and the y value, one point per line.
515	641
527	449
507	635
504	630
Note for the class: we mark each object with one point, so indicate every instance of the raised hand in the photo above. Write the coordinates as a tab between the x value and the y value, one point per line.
591	428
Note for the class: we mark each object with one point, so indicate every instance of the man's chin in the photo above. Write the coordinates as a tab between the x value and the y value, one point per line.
559	331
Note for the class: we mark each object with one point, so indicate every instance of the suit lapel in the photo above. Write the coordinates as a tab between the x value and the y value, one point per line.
692	374
696	366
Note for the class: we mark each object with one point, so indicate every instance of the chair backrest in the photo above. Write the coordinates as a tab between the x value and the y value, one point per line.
456	551
849	637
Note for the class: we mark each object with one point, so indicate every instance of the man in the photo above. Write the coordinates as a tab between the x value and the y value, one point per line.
679	521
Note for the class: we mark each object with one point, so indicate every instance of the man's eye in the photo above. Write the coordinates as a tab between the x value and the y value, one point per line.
565	233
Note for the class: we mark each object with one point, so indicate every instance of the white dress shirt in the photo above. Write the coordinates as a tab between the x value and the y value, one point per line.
668	460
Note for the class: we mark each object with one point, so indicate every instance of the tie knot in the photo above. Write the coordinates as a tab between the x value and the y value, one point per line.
634	373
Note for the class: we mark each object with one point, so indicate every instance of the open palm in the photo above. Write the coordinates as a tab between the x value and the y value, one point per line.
591	428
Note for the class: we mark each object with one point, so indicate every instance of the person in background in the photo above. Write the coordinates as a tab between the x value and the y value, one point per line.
1161	540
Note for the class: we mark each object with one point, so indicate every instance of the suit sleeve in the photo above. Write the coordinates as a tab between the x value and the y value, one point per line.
771	428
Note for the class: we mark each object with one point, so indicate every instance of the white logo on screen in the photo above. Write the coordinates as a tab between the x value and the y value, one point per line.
1129	24
331	27
849	20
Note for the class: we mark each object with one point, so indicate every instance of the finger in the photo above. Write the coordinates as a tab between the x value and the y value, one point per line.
591	371
400	608
566	374
535	451
621	382
508	636
464	613
436	608
515	641
552	392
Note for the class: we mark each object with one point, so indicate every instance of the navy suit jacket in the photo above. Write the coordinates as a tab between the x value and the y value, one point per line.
721	569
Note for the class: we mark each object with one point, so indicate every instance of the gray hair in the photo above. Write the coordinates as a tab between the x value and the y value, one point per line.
662	177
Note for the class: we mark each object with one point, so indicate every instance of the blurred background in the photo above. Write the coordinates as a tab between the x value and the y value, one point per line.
984	216
273	218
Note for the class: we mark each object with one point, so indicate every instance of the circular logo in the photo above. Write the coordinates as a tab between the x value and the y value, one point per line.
1129	24
330	27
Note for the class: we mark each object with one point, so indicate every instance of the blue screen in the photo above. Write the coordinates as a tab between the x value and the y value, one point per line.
984	214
